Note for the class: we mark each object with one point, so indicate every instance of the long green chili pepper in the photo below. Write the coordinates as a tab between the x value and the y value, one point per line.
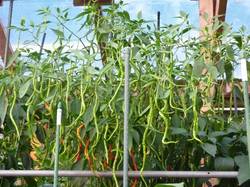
156	152
171	98
115	94
115	160
11	112
41	86
105	143
95	123
1	90
118	88
116	127
83	105
144	146
67	93
48	88
195	127
29	105
34	81
166	122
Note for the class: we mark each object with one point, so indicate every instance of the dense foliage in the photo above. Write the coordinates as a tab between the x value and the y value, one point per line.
177	84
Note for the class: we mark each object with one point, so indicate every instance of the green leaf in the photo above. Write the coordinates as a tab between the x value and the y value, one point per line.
224	163
230	52
179	131
135	136
26	160
3	106
22	22
213	72
228	70
80	15
130	142
24	88
58	10
176	121
202	123
103	30
51	95
91	70
221	67
106	68
88	116
79	165
197	68
183	14
135	50
13	58
238	39
217	133
113	44
58	33
124	15
103	107
244	171
75	106
32	24
243	139
139	15
185	30
209	148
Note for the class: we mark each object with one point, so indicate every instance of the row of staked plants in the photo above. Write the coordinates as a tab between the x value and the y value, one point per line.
177	98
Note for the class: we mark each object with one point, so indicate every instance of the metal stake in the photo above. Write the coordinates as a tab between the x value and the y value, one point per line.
8	32
58	125
126	120
246	102
42	44
158	20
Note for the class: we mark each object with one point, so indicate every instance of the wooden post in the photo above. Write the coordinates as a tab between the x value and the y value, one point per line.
3	39
212	8
208	10
87	2
99	14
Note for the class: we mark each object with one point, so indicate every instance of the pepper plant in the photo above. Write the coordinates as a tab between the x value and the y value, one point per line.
167	128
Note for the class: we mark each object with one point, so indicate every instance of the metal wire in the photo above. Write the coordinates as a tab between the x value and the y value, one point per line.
109	174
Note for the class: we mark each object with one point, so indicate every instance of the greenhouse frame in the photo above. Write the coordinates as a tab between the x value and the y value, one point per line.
113	124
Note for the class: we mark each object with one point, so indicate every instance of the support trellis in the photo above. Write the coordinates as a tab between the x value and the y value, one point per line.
109	174
125	174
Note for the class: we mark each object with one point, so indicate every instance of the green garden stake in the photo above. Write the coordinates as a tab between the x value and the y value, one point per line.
58	125
246	102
